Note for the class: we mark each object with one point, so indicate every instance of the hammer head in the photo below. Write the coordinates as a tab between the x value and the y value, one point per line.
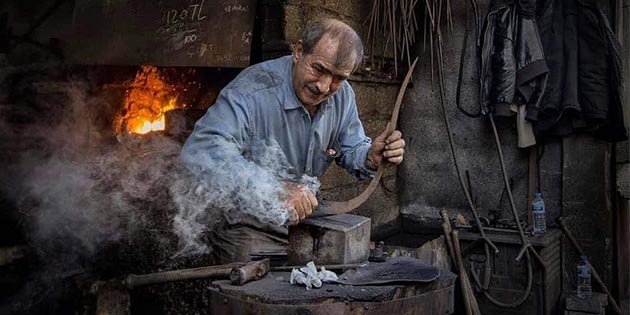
335	239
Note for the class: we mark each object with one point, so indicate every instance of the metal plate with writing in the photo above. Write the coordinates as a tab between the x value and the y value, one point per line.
196	33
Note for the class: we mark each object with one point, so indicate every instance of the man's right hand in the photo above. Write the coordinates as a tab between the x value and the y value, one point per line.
300	201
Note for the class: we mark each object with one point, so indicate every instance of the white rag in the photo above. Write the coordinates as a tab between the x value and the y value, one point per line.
309	277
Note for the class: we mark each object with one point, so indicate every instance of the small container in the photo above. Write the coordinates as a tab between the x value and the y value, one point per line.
538	210
584	279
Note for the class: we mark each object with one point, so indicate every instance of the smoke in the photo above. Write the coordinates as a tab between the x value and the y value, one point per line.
80	190
227	180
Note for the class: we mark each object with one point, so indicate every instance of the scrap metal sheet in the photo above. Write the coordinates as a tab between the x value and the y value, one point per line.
394	270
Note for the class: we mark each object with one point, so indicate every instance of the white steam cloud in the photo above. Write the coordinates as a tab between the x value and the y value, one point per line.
81	190
228	180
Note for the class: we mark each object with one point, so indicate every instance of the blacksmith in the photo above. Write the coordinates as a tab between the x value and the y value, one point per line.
304	102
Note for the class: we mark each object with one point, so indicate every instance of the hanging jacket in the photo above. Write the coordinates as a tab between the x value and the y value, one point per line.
601	79
584	86
513	69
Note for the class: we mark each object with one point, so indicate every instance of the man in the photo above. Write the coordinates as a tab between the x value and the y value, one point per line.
304	103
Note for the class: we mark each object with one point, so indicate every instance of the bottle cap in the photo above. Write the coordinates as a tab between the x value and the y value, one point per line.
537	194
582	257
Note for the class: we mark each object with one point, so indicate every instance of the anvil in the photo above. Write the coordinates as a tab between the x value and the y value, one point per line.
335	239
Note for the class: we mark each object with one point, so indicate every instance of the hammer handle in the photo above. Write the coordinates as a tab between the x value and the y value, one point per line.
219	271
464	282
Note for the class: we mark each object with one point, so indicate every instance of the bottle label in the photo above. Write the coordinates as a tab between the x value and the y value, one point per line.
584	271
538	207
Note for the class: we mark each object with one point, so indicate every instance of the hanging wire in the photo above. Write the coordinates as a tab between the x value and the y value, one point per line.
392	25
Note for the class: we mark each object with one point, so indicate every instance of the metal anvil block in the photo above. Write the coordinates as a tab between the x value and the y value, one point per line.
336	239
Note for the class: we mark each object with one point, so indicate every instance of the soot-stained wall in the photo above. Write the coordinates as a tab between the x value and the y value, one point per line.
428	174
574	171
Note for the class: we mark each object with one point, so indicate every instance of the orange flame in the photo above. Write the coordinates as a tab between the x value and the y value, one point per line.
146	101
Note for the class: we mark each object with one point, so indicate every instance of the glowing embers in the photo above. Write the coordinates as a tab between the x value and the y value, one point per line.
146	101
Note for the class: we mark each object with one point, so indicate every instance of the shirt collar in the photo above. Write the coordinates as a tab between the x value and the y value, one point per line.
291	100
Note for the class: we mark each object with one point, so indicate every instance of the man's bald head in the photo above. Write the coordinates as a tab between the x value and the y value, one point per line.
350	49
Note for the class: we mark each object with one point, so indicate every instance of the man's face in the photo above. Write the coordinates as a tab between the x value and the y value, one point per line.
315	76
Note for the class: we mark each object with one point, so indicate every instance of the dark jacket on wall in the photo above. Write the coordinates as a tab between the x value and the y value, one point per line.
558	57
513	69
584	58
513	72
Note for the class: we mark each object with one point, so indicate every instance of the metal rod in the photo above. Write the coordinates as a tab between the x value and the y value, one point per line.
469	297
524	239
329	267
452	145
598	279
132	281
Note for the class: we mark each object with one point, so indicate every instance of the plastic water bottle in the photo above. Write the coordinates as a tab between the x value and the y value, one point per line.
584	279
538	209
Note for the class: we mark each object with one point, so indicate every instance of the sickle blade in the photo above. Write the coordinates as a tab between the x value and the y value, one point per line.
337	207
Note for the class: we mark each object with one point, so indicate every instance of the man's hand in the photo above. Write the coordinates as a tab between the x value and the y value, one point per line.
300	200
390	148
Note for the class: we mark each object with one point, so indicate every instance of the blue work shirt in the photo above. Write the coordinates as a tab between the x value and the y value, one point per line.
260	102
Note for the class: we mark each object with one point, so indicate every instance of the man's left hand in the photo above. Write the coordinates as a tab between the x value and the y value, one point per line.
389	148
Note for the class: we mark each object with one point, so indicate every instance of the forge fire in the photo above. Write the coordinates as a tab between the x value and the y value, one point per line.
146	101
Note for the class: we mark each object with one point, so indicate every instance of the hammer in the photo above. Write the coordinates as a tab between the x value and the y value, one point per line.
239	273
113	295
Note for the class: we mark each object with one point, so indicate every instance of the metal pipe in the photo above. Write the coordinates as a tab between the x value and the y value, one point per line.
598	279
133	281
329	267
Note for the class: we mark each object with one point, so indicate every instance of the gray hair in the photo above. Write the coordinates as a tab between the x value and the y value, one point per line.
350	45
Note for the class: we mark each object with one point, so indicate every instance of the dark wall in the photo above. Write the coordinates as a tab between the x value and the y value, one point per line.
574	172
428	174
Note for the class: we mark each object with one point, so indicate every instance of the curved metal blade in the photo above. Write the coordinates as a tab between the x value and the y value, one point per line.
338	207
